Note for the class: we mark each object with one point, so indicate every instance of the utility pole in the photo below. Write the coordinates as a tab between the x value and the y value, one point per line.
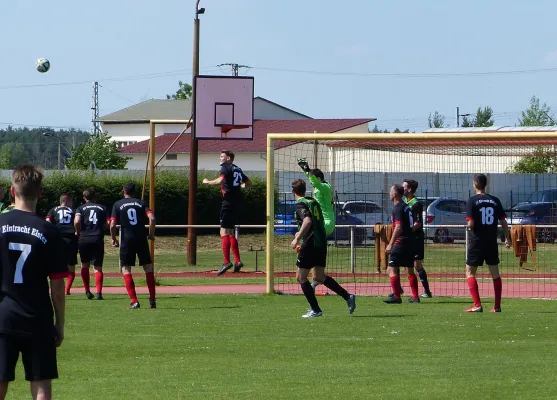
95	109
458	115
235	67
194	150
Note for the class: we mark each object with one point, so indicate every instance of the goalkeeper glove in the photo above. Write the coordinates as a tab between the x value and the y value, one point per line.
302	162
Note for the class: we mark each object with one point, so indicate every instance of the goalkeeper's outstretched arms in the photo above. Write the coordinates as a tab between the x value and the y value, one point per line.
303	163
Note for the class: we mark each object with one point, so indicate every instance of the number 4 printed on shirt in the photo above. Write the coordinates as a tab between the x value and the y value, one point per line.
25	251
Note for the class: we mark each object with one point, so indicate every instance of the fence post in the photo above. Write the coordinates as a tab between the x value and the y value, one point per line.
352	250
237	232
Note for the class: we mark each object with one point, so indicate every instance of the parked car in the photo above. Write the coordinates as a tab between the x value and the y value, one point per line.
536	213
284	215
445	211
543	196
369	212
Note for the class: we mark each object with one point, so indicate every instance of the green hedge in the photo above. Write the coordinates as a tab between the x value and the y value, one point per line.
171	195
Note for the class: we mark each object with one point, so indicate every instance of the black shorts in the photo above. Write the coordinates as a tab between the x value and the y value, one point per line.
38	356
419	249
310	257
482	251
92	251
132	248
402	256
70	249
228	215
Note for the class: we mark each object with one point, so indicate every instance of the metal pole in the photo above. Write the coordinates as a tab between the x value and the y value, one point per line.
59	151
457	117
270	233
152	183
192	238
237	232
352	251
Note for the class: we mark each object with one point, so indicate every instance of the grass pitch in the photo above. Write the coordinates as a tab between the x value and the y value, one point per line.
258	347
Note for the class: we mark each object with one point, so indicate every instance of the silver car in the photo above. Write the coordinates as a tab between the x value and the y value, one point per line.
369	212
445	211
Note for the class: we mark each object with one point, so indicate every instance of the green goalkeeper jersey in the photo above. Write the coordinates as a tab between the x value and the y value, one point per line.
323	193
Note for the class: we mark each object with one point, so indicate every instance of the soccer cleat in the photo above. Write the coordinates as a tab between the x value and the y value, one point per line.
351	302
495	310
312	314
90	295
225	268
393	295
475	309
135	306
393	300
238	267
100	296
152	304
413	300
426	295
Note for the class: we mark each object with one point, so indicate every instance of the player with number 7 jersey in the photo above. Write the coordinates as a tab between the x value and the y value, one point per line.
91	220
133	214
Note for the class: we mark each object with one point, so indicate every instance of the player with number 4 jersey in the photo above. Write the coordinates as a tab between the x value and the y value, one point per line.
63	217
91	220
231	180
484	212
132	214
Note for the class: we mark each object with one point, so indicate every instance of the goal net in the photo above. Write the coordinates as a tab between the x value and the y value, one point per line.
361	169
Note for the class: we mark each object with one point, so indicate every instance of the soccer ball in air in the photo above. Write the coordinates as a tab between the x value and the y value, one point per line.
43	65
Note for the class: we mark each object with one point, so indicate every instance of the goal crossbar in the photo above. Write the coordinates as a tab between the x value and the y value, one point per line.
498	138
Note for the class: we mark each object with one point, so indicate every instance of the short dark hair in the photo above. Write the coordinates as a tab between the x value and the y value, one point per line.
65	197
480	180
89	194
228	154
399	189
299	187
412	184
317	173
27	181
129	188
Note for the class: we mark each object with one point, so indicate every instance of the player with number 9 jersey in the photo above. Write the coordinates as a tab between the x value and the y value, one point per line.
91	220
132	214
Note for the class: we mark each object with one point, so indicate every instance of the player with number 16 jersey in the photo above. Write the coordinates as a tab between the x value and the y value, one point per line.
90	221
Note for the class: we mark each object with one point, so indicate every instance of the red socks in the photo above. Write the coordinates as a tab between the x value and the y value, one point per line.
150	276
498	288
86	279
69	282
235	249
99	278
130	287
413	285
474	292
225	244
395	285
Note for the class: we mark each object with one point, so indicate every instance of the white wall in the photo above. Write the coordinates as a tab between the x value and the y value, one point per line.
206	161
138	132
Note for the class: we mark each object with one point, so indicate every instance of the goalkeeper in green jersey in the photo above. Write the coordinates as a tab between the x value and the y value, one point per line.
323	193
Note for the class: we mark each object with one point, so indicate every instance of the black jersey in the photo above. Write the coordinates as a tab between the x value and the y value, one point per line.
402	215
31	250
417	209
233	177
486	211
131	214
93	219
63	218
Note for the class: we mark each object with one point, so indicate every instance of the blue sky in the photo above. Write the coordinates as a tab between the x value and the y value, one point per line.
112	40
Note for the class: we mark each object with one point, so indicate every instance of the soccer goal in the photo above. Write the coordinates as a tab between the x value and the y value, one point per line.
361	169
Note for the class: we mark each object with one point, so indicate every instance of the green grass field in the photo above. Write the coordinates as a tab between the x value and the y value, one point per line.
258	347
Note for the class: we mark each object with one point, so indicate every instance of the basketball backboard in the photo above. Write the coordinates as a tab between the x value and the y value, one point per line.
223	107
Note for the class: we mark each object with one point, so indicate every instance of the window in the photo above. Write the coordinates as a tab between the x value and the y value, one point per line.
448	206
172	157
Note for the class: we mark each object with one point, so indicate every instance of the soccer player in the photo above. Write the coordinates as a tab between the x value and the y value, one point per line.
483	212
312	252
31	252
410	186
401	247
231	180
2	195
11	206
63	217
323	194
91	219
132	214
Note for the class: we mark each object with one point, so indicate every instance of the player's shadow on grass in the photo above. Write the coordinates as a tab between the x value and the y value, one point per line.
452	302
